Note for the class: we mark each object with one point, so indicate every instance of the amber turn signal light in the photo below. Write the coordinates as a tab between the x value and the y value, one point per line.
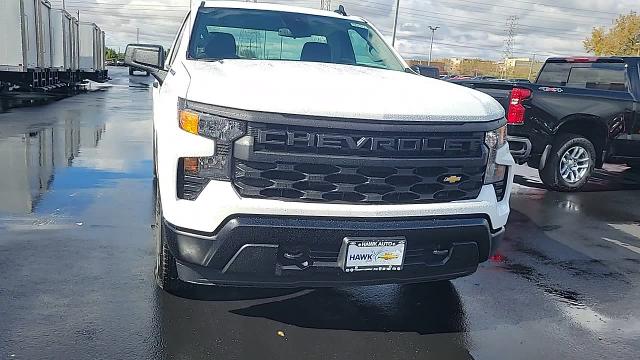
189	121
191	165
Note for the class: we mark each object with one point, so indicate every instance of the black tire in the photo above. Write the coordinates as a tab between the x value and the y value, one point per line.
166	273
550	174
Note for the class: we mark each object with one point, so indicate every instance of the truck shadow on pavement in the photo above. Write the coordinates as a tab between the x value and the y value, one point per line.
421	308
397	321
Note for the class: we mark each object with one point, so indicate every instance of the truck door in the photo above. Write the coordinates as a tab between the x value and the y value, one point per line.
627	144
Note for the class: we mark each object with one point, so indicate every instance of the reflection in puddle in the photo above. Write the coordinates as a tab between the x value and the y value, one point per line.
29	162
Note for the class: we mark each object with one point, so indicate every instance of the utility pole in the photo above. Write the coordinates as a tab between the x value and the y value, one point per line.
433	32
137	35
531	67
395	24
63	7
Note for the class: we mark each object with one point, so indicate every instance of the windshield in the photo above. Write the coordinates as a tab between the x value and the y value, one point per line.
273	35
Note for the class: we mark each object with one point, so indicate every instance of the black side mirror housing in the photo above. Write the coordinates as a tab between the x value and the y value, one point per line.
416	69
149	58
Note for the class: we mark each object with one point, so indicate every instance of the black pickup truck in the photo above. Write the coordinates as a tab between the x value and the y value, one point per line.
580	113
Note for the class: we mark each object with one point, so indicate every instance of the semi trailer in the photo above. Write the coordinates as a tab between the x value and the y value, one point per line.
41	47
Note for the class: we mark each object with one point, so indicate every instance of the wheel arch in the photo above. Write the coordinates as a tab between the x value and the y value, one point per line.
590	127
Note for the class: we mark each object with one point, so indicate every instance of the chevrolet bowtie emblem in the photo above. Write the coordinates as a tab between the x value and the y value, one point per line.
388	256
452	179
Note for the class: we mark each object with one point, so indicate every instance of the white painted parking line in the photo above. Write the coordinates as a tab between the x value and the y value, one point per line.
635	249
631	229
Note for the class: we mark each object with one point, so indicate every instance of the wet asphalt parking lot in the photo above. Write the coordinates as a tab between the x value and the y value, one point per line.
77	256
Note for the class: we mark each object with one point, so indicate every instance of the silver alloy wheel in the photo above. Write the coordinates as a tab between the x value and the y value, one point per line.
574	164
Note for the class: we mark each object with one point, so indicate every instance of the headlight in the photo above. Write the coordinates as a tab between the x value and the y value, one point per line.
208	125
195	172
494	140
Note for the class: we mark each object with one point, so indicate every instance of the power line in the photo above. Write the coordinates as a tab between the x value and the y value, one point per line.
447	17
521	10
473	24
178	8
567	7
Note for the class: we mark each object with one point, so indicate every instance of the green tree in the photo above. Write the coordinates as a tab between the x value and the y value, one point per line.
111	54
623	38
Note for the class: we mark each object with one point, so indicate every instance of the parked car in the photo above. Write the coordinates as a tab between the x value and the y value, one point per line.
580	113
315	163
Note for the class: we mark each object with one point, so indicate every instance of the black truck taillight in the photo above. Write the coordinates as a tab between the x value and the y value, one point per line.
515	113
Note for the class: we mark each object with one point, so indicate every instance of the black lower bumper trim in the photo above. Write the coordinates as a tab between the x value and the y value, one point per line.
252	250
520	148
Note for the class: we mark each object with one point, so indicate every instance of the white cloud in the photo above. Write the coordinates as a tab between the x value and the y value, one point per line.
470	28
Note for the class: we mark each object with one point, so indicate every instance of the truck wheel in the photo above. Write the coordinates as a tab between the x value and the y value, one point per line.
570	163
165	270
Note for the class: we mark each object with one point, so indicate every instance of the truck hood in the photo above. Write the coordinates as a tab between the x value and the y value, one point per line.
333	90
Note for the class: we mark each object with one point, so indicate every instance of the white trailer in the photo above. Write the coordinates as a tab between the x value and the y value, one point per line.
75	44
44	32
18	35
61	40
98	43
46	49
88	46
101	50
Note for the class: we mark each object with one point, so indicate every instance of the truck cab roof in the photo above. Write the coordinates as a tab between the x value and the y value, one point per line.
592	59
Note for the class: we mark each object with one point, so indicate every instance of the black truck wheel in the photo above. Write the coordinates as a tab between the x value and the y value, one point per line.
570	163
165	271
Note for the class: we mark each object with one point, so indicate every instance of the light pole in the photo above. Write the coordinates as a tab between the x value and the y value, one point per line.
433	32
395	24
531	67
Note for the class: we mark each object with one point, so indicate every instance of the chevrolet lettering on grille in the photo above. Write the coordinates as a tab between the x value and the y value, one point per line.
365	143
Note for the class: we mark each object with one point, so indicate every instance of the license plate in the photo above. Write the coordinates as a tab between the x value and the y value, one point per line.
372	254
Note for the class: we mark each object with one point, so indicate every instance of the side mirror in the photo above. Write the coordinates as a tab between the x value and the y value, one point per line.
416	69
149	58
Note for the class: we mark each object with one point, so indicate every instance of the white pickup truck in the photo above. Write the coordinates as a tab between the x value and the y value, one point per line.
295	148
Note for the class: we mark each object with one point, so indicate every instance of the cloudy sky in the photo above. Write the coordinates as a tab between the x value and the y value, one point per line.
468	28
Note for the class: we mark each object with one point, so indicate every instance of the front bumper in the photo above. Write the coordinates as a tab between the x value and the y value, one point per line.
249	250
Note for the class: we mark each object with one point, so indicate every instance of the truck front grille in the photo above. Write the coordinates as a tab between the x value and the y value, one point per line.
292	173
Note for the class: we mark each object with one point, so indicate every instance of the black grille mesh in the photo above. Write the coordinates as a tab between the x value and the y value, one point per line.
356	184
